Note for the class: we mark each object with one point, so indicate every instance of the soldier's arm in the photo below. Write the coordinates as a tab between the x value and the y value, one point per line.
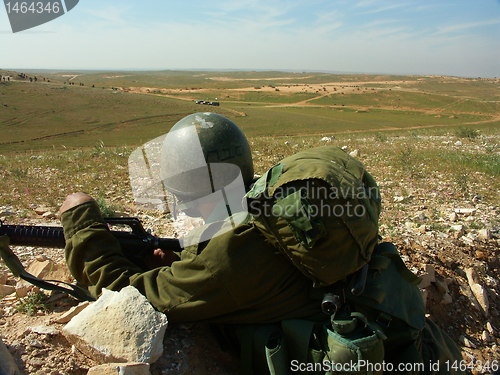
186	291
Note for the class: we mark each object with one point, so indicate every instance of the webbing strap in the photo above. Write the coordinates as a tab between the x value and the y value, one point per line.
17	269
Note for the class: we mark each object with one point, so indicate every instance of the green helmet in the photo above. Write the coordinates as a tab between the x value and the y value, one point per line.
202	153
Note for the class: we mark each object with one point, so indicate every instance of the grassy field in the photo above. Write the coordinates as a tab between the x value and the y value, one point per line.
129	108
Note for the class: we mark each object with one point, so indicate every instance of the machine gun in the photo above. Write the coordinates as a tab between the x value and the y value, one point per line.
135	244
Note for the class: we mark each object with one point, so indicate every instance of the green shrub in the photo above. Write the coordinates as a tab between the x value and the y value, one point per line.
34	303
465	132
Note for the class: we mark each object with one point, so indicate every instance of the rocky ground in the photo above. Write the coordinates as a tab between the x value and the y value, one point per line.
441	209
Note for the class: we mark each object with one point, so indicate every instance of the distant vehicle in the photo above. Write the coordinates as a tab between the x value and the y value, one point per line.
216	104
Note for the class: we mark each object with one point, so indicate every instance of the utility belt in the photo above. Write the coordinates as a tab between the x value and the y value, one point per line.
376	316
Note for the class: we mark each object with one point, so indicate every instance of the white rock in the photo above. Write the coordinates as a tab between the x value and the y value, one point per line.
119	327
453	217
120	369
478	290
7	364
44	330
458	143
354	153
458	230
326	139
490	328
399	199
485	336
409	225
344	147
466	342
472	276
484	234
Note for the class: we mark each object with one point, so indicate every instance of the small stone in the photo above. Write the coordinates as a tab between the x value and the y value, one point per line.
74	311
478	290
485	336
458	228
466	342
45	330
23	288
484	234
48	215
420	216
490	328
446	299
36	344
354	153
467	240
422	229
457	143
344	148
6	289
472	276
49	270
481	255
7	212
453	217
465	211
120	368
398	199
409	225
3	278
326	139
40	210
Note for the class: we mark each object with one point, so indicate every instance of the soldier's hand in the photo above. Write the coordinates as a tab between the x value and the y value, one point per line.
160	258
73	200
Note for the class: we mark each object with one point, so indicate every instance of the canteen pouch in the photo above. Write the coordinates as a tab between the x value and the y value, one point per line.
354	346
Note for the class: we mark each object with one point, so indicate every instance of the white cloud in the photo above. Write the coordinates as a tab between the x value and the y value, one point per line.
465	26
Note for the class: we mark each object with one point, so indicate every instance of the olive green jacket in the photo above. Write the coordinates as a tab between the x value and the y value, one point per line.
236	278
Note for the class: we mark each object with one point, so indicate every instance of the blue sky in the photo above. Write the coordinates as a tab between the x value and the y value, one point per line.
460	37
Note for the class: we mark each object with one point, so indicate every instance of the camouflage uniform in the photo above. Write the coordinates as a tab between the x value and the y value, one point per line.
241	278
